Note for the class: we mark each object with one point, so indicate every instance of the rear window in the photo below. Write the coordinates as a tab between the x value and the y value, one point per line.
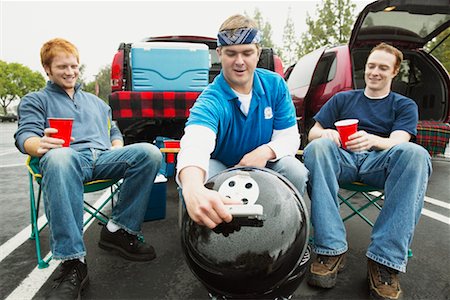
416	24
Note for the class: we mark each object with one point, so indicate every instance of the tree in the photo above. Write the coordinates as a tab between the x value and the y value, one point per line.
441	52
103	82
290	42
265	27
332	26
16	81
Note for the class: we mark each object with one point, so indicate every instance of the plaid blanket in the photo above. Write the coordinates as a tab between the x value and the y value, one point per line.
152	104
433	136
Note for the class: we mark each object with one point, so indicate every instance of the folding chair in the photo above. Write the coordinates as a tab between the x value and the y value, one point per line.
89	187
370	193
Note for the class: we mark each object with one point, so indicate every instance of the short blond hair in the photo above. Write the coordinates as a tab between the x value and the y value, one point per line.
238	21
55	46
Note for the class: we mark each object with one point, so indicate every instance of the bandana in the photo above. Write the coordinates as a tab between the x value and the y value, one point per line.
238	36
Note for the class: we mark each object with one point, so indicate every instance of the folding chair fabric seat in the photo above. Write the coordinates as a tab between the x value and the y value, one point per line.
89	187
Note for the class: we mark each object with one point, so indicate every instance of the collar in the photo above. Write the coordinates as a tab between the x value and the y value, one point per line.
56	88
230	95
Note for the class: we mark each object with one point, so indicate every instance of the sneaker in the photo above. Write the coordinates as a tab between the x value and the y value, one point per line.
71	281
126	244
383	281
324	269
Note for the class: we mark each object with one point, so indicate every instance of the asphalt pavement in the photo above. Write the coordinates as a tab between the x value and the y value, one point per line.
169	277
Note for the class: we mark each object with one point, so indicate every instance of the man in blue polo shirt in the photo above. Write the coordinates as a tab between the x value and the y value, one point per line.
245	117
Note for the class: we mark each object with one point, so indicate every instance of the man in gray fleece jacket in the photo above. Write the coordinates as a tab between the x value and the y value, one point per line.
96	152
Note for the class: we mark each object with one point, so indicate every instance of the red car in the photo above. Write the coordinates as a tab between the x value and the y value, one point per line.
407	25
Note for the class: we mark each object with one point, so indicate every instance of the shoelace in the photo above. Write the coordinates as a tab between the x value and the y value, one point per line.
132	239
68	273
385	275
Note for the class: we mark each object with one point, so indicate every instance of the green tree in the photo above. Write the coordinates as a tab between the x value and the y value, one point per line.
265	27
289	51
17	80
103	82
441	52
332	26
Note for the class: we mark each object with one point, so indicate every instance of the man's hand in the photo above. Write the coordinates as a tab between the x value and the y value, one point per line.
332	135
257	158
207	207
47	143
361	141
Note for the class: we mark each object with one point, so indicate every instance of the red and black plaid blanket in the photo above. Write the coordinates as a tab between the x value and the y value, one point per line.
151	104
433	135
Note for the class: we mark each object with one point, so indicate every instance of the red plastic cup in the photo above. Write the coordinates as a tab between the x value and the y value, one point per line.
346	128
64	127
170	157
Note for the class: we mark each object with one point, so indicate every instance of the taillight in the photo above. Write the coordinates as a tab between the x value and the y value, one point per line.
117	72
278	65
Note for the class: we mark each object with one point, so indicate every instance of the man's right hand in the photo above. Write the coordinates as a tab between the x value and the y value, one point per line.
207	207
38	146
47	142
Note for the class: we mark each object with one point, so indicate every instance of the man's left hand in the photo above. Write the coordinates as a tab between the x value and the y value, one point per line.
361	141
257	158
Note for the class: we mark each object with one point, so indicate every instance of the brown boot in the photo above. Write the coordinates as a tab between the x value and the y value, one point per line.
324	269
383	281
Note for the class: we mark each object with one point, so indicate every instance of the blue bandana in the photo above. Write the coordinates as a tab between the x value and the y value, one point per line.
238	37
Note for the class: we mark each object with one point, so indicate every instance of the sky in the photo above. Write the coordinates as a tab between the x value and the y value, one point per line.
98	27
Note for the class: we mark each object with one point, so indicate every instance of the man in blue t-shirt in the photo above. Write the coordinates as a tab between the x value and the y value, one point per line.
245	117
378	154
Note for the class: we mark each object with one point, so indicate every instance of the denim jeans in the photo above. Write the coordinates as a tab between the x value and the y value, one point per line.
64	171
288	166
402	172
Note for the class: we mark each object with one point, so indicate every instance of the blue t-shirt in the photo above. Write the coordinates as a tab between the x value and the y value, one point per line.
376	116
217	108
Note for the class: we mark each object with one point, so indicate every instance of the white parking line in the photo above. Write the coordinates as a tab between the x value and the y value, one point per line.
436	216
34	281
429	213
9	152
13	165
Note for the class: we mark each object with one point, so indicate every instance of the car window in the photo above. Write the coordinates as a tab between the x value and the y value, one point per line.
416	24
214	57
303	71
326	69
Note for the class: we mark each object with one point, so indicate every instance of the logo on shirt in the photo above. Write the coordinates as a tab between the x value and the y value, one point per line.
268	113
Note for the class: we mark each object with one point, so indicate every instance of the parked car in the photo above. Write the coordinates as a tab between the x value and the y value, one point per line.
8	118
407	25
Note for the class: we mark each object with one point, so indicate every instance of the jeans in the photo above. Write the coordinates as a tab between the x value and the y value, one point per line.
288	166
402	172
64	171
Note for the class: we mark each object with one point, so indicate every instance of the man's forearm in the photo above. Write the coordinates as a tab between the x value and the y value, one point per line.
191	177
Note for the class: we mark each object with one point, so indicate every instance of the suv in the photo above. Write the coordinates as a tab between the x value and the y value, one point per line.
407	25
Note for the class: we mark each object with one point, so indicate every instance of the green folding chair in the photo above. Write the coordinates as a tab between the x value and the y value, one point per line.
370	193
89	187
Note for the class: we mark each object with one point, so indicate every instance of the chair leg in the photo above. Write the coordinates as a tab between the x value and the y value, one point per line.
35	230
97	212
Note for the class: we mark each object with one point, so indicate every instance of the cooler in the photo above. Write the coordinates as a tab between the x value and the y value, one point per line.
156	209
166	66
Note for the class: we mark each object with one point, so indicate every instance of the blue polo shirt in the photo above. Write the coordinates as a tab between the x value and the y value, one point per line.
217	108
376	116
